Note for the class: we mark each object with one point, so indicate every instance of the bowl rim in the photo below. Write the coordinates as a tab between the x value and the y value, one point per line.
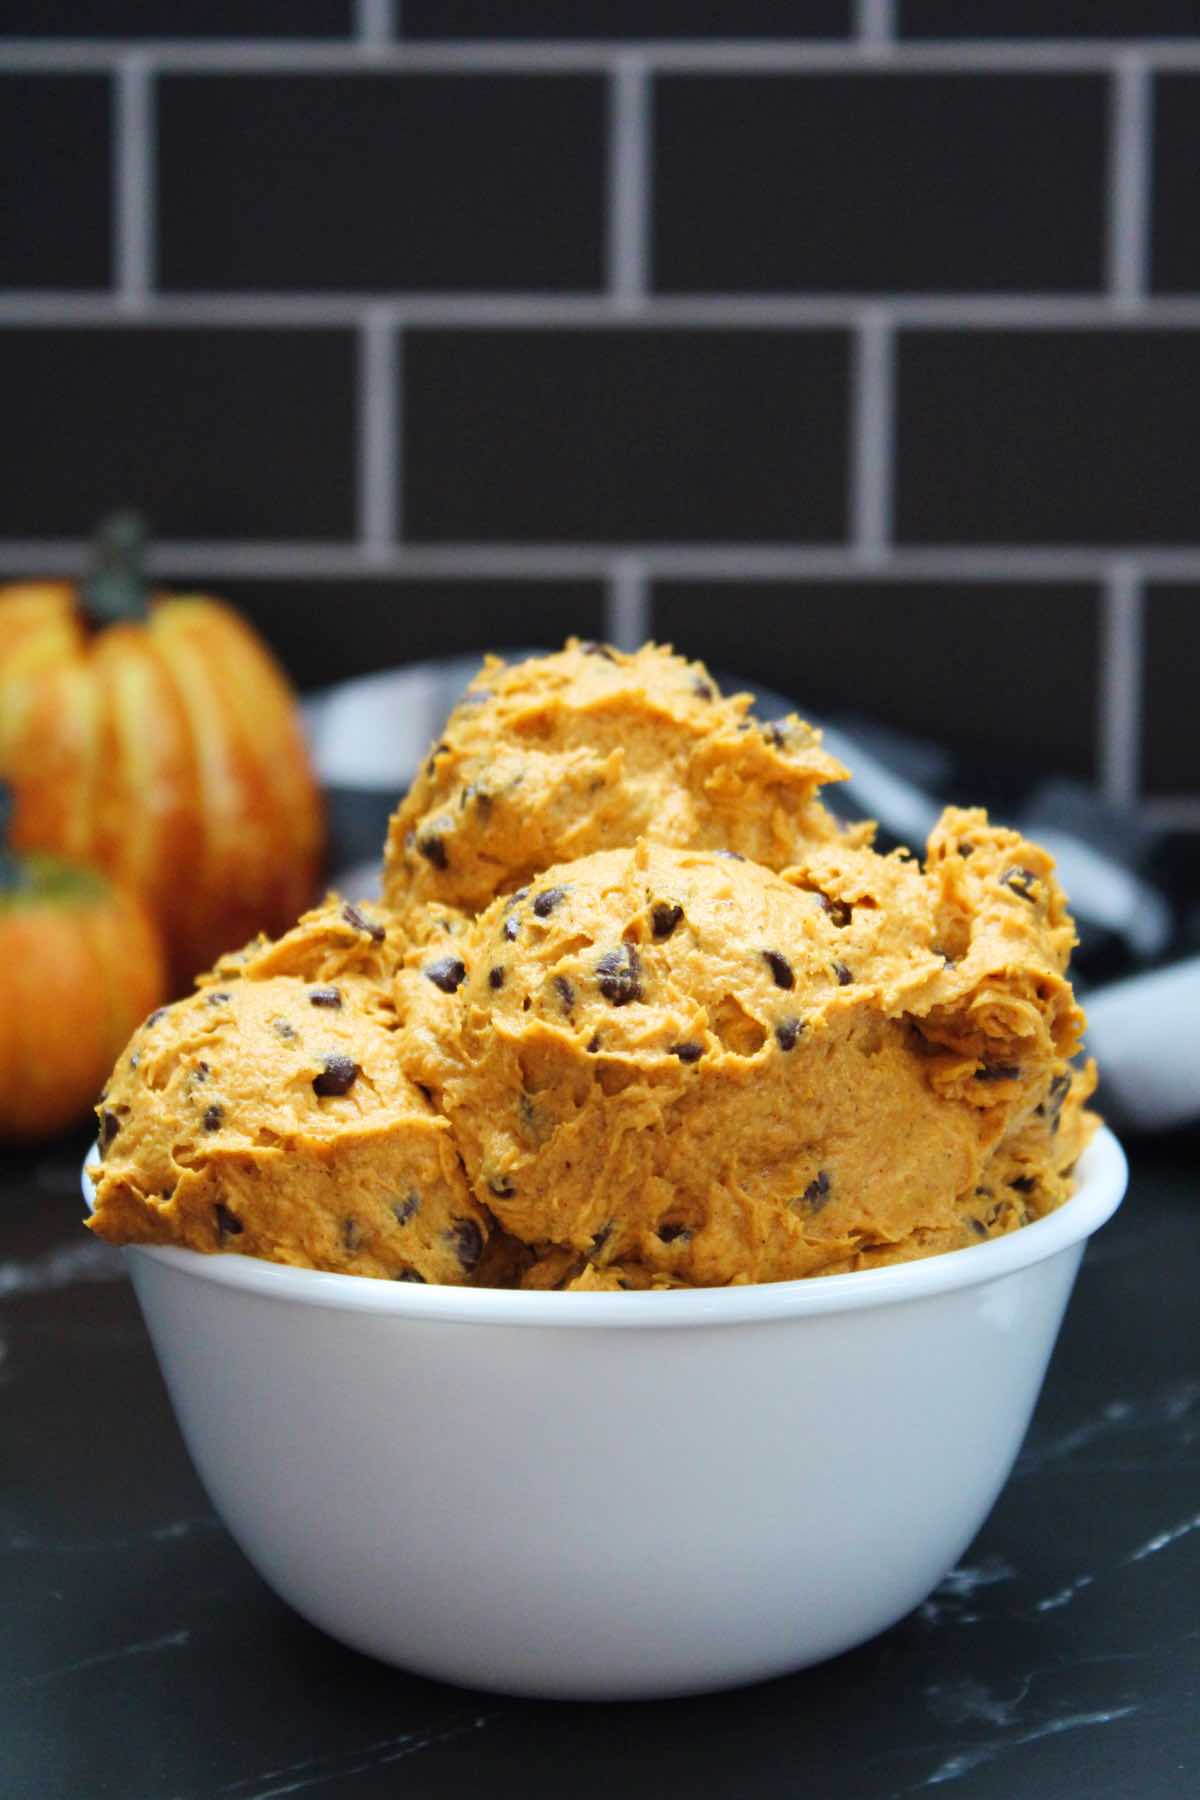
1103	1177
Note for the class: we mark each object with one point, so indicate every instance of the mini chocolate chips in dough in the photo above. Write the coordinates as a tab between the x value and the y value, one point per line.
261	1118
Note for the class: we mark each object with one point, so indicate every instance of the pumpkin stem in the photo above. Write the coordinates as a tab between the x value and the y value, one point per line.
10	872
116	586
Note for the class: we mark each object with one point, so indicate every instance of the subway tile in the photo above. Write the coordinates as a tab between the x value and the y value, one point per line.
625	435
1005	673
179	19
633	19
422	182
1171	742
1176	231
57	207
1048	18
212	433
875	183
327	631
1045	437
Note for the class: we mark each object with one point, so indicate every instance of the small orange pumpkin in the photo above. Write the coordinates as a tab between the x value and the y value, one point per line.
81	964
157	739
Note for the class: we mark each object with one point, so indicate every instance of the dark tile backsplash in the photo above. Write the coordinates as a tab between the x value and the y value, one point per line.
1005	672
326	182
56	214
636	436
114	19
337	629
214	434
1172	741
1047	437
878	183
629	19
854	346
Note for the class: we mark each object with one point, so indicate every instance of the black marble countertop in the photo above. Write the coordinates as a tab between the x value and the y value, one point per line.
144	1659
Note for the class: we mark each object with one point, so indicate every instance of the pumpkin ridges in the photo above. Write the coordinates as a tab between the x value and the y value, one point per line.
239	850
148	794
52	764
275	743
40	632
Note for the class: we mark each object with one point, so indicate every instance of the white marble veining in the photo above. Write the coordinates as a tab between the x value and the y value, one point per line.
171	1640
47	1543
314	1772
976	1755
87	1260
1163	1539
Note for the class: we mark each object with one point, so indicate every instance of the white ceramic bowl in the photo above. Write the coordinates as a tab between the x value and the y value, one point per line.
614	1495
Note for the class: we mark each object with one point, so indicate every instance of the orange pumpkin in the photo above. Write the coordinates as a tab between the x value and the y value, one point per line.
81	964
164	747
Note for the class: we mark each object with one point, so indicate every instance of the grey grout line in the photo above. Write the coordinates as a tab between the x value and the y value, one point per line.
1120	719
872	432
627	604
374	24
1129	180
378	443
875	24
134	250
805	57
629	185
449	312
282	559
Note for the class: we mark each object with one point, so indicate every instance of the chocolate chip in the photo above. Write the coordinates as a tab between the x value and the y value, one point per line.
158	1013
468	1242
999	1072
688	1052
1020	881
1024	1184
601	1238
406	1209
135	1059
671	1231
109	1127
218	998
781	969
337	1076
501	1186
325	996
787	1033
515	898
352	1235
352	916
447	973
591	648
228	1224
545	902
200	1072
480	796
966	849
776	733
704	690
838	911
433	850
619	975
817	1191
731	855
214	1118
510	928
844	977
594	1045
496	977
664	917
409	1275
978	1227
438	750
565	992
283	1029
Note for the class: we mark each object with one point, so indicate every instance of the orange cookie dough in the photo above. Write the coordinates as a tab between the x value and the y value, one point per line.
269	1116
591	749
680	1066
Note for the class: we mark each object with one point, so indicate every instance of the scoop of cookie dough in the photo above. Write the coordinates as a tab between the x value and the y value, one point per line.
268	1115
683	1064
590	749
